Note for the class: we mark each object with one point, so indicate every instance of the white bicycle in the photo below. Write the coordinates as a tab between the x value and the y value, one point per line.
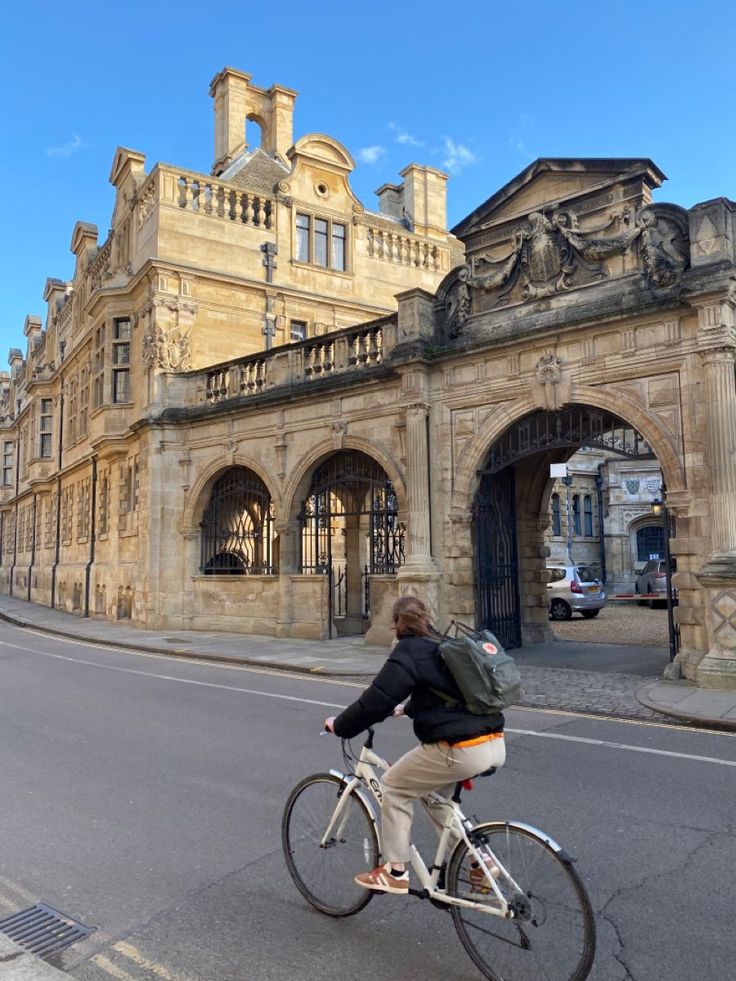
517	903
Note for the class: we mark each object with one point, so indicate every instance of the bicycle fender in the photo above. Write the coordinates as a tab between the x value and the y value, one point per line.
541	835
345	779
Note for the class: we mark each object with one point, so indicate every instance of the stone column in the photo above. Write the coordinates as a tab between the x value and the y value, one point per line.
720	380
718	576
417	485
419	575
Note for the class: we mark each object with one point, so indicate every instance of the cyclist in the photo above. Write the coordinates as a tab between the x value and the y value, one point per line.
454	744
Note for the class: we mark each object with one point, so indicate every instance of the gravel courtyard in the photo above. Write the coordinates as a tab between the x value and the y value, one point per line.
618	623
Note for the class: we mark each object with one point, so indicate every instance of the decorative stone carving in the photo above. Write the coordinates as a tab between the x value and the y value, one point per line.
551	255
166	343
552	387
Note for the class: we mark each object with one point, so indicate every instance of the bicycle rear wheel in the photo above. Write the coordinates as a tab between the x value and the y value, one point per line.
324	873
552	933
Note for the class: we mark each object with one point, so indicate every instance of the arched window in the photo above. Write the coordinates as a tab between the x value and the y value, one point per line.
237	527
588	515
556	522
650	543
576	514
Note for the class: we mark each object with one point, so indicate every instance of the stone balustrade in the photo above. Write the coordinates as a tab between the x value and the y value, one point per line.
402	249
203	195
352	349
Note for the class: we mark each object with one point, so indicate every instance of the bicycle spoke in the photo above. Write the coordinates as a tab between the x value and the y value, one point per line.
550	935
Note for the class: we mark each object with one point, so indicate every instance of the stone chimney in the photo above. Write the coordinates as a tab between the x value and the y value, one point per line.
425	197
235	102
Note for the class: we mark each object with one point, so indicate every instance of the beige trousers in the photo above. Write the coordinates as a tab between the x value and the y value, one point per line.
428	767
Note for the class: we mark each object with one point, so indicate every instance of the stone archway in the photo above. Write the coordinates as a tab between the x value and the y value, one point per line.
510	510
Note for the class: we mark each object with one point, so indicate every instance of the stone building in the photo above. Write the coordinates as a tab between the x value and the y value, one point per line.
296	489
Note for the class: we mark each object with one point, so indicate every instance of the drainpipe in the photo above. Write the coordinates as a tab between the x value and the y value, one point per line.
57	544
92	536
601	528
33	545
17	486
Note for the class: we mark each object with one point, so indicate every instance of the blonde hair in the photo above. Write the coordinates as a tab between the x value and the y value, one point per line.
411	618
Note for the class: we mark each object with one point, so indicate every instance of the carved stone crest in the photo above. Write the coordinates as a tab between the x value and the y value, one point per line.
632	485
551	255
167	350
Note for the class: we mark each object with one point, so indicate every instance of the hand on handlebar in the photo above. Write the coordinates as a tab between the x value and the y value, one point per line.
398	711
330	725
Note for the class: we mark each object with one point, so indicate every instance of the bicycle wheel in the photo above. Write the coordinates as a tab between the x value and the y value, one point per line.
551	936
324	873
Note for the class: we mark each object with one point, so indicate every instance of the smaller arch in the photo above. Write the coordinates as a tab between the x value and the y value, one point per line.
199	494
237	532
260	122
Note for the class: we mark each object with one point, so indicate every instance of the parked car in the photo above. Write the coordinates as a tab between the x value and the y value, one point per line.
574	589
652	582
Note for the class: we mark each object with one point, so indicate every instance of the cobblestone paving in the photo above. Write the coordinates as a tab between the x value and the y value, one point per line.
585	691
618	623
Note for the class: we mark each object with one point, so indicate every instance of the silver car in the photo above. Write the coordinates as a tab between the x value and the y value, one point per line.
651	582
574	589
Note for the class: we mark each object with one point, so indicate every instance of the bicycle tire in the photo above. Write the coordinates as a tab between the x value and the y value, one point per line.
553	934
324	875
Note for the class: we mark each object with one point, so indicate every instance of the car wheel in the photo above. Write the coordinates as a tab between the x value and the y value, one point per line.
590	614
560	610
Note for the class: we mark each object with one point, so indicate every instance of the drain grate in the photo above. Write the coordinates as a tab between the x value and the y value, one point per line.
43	930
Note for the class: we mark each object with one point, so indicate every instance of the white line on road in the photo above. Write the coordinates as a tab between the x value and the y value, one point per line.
334	705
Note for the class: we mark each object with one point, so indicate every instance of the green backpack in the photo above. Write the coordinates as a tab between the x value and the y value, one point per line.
488	677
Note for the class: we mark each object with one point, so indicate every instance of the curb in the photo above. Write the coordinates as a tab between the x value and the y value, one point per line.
17	964
725	725
181	652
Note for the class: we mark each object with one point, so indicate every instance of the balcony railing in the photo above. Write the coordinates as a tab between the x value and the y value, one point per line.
353	349
403	249
206	196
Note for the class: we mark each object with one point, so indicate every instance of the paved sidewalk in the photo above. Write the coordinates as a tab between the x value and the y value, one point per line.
620	694
17	964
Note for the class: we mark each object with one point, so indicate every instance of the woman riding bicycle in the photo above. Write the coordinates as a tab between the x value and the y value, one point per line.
454	744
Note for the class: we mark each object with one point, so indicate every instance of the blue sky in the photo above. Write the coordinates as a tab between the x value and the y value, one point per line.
479	90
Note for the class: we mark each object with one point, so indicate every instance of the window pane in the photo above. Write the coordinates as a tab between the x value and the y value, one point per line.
121	354
122	330
320	242
338	247
302	238
46	444
298	330
120	386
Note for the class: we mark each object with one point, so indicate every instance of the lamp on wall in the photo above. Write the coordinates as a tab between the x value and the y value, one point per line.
657	507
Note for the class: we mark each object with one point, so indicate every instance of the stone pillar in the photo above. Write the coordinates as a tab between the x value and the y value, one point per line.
287	532
417	484
718	576
419	575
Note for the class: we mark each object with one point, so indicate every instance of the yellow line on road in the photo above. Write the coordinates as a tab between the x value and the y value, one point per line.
107	965
133	954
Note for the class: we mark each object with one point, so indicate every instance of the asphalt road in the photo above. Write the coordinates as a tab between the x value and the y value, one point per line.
143	796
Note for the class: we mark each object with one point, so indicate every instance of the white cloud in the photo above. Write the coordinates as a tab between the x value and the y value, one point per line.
371	154
457	156
67	149
401	136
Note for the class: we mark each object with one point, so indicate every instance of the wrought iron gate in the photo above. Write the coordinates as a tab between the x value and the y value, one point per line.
350	485
497	565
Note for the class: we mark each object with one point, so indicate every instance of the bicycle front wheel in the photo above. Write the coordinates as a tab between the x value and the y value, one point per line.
551	934
324	873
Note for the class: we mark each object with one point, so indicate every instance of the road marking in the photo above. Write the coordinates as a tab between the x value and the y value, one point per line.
107	965
626	746
129	951
271	672
334	705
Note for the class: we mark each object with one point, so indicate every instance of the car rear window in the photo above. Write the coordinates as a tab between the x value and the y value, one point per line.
585	573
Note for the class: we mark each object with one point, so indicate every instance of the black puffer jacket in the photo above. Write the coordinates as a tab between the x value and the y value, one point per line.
413	668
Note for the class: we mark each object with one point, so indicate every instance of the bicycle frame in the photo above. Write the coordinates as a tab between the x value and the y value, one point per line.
365	775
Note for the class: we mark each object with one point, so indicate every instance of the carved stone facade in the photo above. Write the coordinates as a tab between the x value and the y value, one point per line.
235	493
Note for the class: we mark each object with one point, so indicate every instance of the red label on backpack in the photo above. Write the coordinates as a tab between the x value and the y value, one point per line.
490	648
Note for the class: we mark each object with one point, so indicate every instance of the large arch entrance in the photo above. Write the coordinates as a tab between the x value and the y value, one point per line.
350	532
525	523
